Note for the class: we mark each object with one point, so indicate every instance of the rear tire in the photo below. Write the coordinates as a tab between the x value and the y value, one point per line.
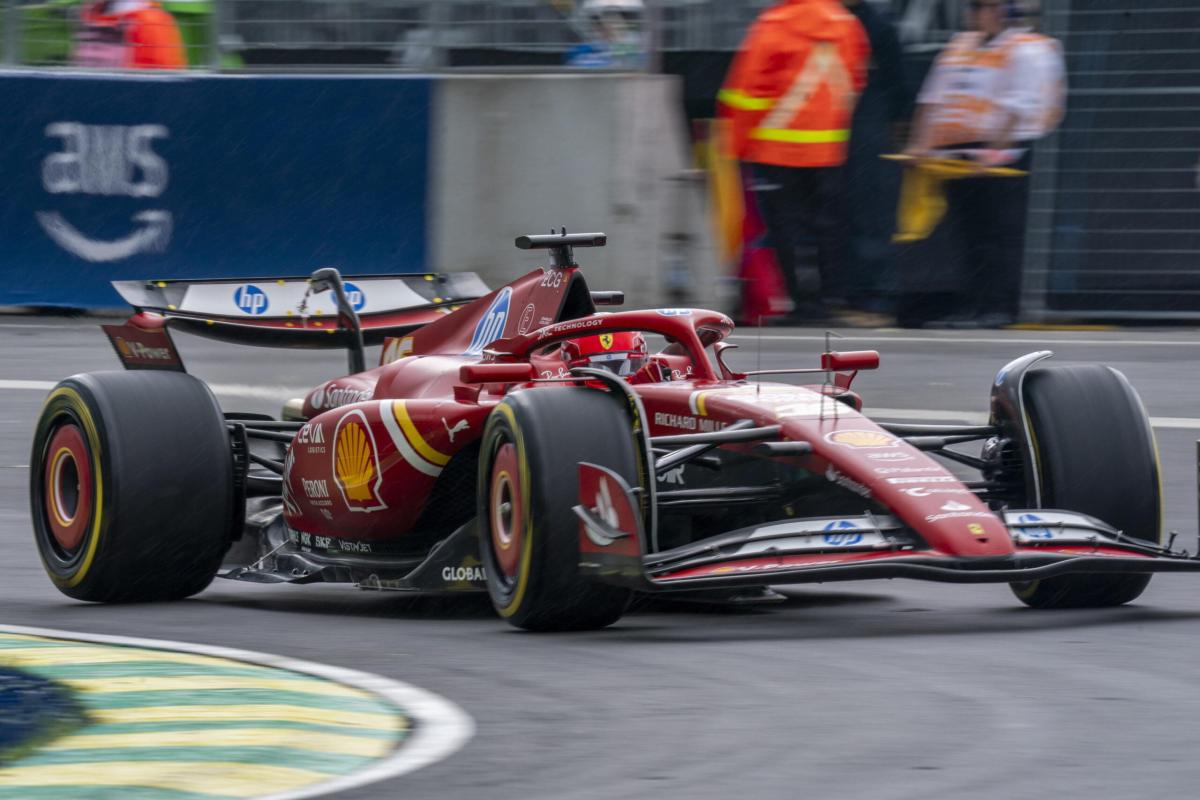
1095	453
131	486
528	484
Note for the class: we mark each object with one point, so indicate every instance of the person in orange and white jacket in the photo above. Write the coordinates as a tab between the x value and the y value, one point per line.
789	97
990	95
123	34
993	90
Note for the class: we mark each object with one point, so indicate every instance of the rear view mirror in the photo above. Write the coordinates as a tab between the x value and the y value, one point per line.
850	360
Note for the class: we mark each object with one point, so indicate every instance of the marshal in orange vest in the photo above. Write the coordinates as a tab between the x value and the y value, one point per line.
122	34
792	88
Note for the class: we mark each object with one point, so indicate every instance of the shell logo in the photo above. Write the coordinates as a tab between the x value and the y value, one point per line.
861	439
976	529
123	346
356	463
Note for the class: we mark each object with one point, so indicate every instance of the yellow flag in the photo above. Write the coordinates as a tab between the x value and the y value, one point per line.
725	191
923	192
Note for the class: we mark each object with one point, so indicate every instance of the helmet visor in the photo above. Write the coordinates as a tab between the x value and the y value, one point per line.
624	363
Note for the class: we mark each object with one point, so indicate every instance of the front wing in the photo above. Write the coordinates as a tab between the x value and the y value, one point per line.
1046	544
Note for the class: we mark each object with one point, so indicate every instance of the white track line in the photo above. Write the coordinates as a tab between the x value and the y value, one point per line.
981	417
928	415
66	326
36	386
933	415
440	728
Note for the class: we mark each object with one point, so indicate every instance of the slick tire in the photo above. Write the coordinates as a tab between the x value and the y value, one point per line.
131	486
528	484
1094	451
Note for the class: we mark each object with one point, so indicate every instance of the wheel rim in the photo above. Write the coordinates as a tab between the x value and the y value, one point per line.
67	494
507	517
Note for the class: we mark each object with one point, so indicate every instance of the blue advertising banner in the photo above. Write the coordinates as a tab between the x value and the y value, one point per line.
109	177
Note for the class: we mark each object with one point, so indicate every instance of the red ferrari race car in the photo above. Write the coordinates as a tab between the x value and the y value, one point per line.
519	441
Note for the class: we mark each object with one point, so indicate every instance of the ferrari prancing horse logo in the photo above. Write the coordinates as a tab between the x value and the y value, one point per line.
606	341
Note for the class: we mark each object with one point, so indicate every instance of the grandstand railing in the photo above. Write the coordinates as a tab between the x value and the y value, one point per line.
417	34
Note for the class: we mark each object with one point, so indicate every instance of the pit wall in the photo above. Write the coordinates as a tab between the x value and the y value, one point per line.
521	154
112	177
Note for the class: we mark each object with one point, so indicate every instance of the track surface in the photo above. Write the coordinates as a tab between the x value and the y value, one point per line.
880	689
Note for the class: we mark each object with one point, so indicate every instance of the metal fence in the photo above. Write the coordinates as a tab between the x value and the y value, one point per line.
1114	227
419	34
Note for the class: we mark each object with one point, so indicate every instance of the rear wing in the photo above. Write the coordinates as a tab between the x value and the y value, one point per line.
282	312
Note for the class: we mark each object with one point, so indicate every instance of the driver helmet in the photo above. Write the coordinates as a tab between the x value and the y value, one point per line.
623	353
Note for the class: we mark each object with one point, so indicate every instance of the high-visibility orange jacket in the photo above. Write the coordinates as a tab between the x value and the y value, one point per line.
793	86
129	34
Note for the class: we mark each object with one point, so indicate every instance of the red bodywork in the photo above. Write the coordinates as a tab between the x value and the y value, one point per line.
361	470
800	485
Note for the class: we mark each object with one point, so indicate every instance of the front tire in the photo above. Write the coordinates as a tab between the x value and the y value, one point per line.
528	484
1095	453
131	486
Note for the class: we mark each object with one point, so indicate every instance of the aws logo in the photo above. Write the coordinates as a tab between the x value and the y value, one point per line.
107	161
491	324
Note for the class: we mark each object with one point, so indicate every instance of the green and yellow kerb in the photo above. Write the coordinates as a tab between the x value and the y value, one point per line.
165	725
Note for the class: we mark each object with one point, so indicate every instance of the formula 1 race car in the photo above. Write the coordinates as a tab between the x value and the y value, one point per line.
519	441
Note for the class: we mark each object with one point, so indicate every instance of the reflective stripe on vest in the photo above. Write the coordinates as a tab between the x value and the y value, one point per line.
800	137
744	102
824	66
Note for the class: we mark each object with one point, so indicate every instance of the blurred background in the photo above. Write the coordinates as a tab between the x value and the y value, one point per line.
394	135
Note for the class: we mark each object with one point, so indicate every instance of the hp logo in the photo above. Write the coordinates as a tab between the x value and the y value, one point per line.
250	299
491	324
1034	533
355	296
835	537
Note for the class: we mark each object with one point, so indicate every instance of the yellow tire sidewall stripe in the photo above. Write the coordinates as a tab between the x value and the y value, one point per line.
76	403
514	605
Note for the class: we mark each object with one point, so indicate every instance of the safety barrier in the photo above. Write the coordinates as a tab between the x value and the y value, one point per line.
205	176
518	154
195	176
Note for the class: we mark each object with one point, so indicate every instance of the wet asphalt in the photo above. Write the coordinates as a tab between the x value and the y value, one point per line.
881	690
